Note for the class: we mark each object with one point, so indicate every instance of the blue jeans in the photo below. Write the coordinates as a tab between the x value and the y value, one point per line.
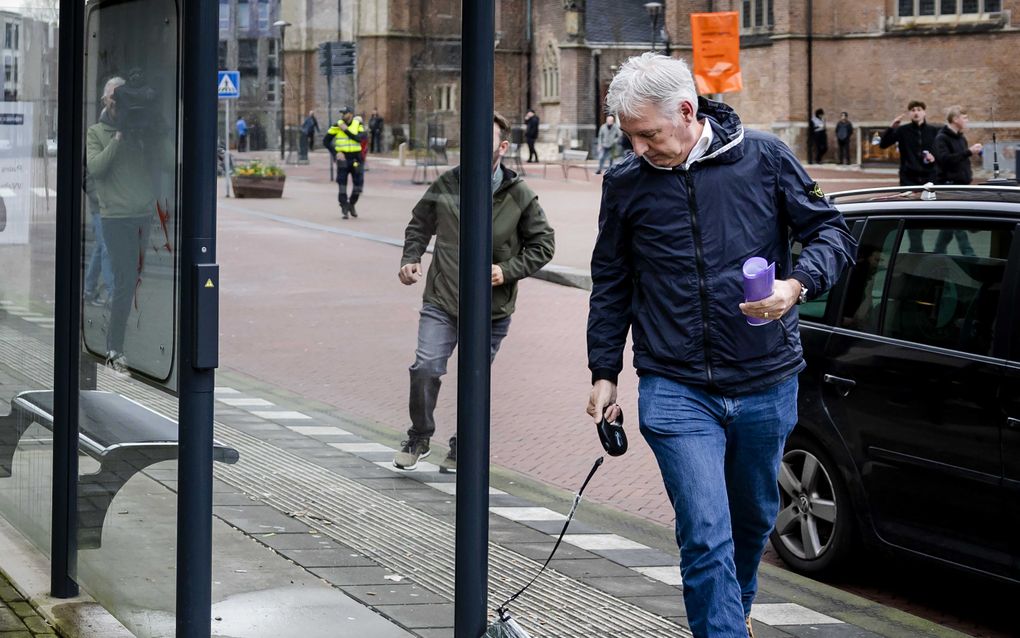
719	457
437	337
99	262
126	240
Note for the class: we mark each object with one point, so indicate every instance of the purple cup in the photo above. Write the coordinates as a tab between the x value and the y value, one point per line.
759	277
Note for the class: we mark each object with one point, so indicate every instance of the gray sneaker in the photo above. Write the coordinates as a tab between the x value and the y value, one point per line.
411	451
449	464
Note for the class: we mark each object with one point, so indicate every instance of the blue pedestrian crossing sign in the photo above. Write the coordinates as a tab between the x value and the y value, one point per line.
228	85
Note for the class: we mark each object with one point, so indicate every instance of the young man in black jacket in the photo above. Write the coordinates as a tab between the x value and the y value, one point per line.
917	162
952	161
916	140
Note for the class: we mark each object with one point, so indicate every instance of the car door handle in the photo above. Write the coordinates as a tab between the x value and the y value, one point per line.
843	385
1012	423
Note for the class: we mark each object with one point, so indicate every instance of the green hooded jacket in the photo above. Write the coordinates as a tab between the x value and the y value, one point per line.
522	240
120	171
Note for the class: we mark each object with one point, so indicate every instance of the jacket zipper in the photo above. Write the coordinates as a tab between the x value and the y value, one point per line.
692	204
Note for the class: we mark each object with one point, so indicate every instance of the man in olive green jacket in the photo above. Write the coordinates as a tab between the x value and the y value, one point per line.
522	242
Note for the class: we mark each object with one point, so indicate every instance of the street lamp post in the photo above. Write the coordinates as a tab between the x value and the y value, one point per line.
654	10
282	26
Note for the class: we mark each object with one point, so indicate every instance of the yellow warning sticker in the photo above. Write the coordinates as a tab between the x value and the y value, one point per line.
209	283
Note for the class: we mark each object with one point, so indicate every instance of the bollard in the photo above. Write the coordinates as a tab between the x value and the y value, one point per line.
401	151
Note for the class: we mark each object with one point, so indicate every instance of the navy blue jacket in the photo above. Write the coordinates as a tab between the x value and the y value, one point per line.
667	261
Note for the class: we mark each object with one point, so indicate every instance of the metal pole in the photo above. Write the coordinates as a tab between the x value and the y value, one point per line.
283	89
226	148
195	385
329	98
475	322
67	309
810	81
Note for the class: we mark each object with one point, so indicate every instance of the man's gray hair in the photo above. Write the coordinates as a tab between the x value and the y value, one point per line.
651	79
111	86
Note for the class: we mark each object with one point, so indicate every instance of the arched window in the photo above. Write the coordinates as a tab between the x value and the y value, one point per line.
550	74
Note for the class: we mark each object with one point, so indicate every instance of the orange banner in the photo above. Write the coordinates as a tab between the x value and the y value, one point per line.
716	39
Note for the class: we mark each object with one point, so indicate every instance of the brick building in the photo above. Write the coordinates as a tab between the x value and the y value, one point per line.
557	56
870	58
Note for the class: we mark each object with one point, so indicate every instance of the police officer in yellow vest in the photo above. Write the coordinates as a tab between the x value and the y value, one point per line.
343	140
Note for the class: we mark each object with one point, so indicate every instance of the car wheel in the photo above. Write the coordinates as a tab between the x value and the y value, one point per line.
815	531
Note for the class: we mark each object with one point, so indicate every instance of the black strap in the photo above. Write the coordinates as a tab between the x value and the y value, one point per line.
501	610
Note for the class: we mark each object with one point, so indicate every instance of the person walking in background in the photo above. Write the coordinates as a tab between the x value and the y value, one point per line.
915	141
522	242
952	153
819	136
717	397
609	142
242	134
375	127
310	129
344	139
531	123
952	166
844	133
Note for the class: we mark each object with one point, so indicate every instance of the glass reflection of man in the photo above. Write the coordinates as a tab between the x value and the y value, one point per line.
119	160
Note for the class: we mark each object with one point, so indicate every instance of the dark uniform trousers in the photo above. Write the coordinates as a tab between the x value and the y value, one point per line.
349	164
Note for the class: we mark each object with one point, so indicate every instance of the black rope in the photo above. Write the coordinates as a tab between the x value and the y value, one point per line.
501	610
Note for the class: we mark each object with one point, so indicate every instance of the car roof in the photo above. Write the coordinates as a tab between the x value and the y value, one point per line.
996	199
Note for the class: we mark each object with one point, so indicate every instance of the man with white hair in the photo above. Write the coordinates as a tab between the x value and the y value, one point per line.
717	396
120	165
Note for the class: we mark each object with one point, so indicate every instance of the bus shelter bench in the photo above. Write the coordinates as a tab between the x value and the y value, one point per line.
571	159
125	437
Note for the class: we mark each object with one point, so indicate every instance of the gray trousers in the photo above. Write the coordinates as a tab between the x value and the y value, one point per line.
437	337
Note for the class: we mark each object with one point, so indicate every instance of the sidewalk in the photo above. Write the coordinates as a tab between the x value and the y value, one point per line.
18	619
345	544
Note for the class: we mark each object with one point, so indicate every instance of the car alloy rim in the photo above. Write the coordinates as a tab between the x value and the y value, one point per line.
807	513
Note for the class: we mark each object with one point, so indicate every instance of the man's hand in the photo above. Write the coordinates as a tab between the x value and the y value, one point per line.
975	148
118	136
784	296
497	275
342	125
899	118
927	157
603	395
410	274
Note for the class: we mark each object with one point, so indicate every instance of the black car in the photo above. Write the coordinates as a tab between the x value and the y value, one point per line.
909	430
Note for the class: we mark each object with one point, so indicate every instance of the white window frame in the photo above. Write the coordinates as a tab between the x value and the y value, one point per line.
244	15
446	97
262	15
550	75
981	14
224	15
768	17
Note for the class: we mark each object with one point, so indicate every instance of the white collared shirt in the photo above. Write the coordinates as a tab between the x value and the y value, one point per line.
702	145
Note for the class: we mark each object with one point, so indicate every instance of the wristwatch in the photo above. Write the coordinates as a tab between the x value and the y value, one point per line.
802	298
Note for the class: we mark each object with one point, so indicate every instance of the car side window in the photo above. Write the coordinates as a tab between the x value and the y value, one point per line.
946	282
866	280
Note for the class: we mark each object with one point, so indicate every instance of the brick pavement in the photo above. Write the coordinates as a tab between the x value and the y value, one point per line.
18	619
334	325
